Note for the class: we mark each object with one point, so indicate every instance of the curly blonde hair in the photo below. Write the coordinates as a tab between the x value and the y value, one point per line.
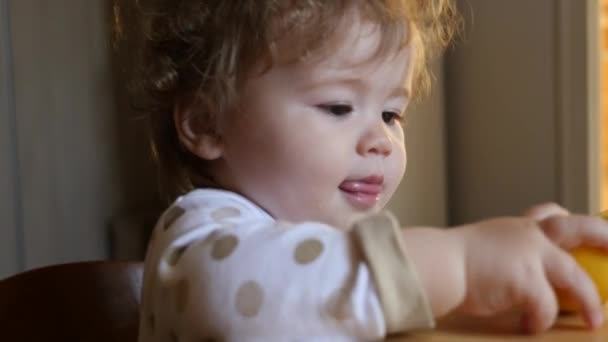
203	51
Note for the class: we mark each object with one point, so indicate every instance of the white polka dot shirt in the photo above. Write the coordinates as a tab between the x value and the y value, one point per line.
219	268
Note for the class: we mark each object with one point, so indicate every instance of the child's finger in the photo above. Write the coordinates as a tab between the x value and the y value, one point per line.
565	274
545	210
576	230
539	304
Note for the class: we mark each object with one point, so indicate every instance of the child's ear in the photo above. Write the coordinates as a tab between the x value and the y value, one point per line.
196	135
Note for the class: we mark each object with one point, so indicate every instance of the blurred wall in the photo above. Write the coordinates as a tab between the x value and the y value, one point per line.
10	260
71	158
521	107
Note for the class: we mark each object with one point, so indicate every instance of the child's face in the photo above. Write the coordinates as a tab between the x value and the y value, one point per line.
321	141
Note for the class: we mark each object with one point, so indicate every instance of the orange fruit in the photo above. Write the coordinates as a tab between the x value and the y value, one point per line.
595	263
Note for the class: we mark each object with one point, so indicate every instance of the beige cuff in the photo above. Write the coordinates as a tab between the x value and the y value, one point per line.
404	302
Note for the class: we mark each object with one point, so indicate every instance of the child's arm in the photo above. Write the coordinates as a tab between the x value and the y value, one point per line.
217	268
438	255
499	264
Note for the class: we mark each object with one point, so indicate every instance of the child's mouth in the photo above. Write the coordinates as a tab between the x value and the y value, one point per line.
363	193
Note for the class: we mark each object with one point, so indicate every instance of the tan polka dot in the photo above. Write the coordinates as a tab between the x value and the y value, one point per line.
182	292
249	299
172	215
176	254
224	213
308	251
224	246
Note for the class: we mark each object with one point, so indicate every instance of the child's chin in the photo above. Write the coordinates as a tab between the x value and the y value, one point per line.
350	219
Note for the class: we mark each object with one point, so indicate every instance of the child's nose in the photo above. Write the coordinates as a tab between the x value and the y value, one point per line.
375	141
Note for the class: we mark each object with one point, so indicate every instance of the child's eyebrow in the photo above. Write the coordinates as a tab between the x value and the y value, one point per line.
358	84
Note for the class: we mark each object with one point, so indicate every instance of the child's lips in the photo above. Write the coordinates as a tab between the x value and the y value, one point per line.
363	193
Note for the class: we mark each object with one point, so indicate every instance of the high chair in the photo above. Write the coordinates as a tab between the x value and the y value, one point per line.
84	301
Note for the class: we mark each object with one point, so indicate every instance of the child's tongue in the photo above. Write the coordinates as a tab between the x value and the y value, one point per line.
360	186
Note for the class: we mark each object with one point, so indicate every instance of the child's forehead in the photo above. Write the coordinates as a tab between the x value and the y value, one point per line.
380	73
354	51
360	45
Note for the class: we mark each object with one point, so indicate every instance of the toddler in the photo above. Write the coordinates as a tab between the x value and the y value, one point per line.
279	124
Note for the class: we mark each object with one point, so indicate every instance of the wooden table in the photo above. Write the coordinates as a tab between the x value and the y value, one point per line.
503	329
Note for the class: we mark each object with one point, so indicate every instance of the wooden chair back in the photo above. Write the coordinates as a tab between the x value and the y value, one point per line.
84	301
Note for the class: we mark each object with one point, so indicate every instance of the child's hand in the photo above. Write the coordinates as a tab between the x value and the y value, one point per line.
518	262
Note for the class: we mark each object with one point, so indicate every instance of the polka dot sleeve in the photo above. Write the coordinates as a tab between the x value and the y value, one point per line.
218	268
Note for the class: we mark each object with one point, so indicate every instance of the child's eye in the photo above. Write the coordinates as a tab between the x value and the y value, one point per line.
390	117
337	109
